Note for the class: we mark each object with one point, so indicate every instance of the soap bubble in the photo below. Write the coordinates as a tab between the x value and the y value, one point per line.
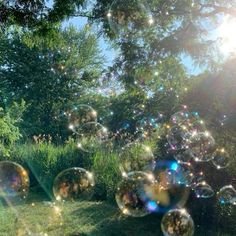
221	158
177	136
202	146
91	136
169	190
80	115
130	17
14	182
203	190
180	117
177	222
227	195
183	156
130	191
73	183
136	157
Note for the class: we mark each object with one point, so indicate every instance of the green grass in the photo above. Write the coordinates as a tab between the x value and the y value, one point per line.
40	217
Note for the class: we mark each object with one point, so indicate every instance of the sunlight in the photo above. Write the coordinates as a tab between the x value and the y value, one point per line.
227	34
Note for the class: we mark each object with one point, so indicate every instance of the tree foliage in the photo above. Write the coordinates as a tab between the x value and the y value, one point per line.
48	78
9	131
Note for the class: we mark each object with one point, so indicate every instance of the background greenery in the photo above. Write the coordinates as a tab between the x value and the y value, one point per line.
46	68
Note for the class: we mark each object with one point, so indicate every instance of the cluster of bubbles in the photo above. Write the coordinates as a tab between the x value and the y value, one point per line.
149	185
89	133
152	185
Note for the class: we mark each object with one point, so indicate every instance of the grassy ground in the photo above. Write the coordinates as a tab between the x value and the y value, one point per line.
40	217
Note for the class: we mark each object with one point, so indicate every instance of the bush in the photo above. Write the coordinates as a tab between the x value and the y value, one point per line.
45	161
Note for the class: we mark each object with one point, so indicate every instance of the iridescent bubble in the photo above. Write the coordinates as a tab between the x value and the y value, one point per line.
14	182
221	158
130	17
80	115
177	222
177	136
202	146
91	136
73	184
227	195
130	191
136	157
169	190
203	190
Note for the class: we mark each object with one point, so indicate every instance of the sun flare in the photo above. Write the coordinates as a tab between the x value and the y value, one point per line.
227	34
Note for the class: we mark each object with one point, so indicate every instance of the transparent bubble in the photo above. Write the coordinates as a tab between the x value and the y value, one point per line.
129	18
181	117
221	158
169	190
130	191
91	136
203	190
147	124
177	222
227	195
183	156
80	115
202	146
136	157
14	182
73	184
177	136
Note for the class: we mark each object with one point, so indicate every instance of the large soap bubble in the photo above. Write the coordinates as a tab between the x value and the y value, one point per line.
177	222
14	182
227	195
130	191
136	157
170	188
91	136
73	183
80	115
221	158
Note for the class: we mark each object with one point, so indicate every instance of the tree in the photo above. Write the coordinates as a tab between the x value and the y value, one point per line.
9	132
37	14
48	74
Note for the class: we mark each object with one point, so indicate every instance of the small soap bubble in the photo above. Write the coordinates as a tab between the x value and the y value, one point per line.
227	195
203	190
177	222
91	136
221	158
80	115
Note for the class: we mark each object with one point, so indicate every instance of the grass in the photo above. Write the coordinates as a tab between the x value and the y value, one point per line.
40	217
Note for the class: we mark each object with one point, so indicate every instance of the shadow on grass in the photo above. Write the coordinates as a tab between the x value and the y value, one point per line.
108	221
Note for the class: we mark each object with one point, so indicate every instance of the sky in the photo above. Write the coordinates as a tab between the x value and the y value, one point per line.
110	54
